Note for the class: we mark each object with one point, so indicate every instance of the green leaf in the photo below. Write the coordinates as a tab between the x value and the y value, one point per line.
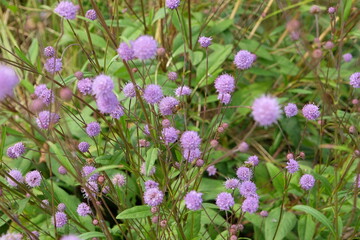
34	51
89	235
306	227
160	14
317	215
277	177
3	137
193	224
135	212
287	223
151	156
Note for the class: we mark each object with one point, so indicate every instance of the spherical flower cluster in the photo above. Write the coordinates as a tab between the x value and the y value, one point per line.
169	135
314	9
118	112
62	170
49	51
193	200
102	84
85	86
67	10
44	94
91	14
61	207
47	119
232	183
331	10
244	173
244	59
129	90
8	81
266	110
83	209
119	180
59	220
224	98
91	189
70	237
190	140
167	105
83	146
355	80
329	45
224	201
86	172
125	51
53	65
172	4
292	166
153	197
151	184
211	170
182	91
243	147
145	47
307	182
252	160
33	178
172	76
347	57
93	129
247	189
290	110
311	111
153	93
165	123
250	204
205	41
225	83
192	154
16	151
107	103
17	175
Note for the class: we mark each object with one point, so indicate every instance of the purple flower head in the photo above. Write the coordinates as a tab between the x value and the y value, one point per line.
93	129
91	14
243	147
347	57
190	140
165	123
225	83
83	209
16	151
224	201
16	174
11	236
83	146
92	188
33	178
153	94
49	51
118	112
129	90
182	91
244	173
145	47
252	160
191	154
331	10
172	4
153	197
266	110
85	86
62	170
8	81
244	59
53	65
125	51
86	172
314	9
355	80
102	85
290	110
292	166
172	76
193	200
143	170
167	105
329	45
250	204
232	183
61	207
70	237
67	10
205	41
247	189
59	220
199	162
119	180
151	184
311	111
211	170
44	94
107	102
169	135
224	98
146	130
264	213
307	182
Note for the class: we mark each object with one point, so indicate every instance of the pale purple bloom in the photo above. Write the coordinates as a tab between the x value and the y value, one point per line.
153	197
190	140
17	175
143	170
93	129
91	188
314	9
83	146
33	178
347	57
129	90
193	200
118	112
11	236
211	170
311	111
244	173
264	213
290	110
224	98
167	105
266	110
247	189
355	80
67	10
125	51
165	123
146	129
62	170
8	81
232	183
87	171
205	41
53	65
199	162
244	59
59	220
329	45
119	180
250	204
225	83
145	47
44	94
153	94
61	207
224	201
292	166
331	10
191	154
252	160
151	184
172	4
243	147
307	182
85	86
182	91
16	151
102	84
107	102
169	135
49	51
70	237
172	76
83	209
91	14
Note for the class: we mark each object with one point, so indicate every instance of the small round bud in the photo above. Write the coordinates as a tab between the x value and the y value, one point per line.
79	75
177	165
101	179
293	25
243	147
214	143
224	125
302	155
163	223
49	52
233	237
220	129
329	45
154	219
61	207
62	170
160	51
264	213
165	123
144	143
172	76
199	163
66	94
154	209
134	70
352	129
355	101
315	9
331	10
289	156
317	42
317	53
357	153
95	222
28	195
240	227
98	203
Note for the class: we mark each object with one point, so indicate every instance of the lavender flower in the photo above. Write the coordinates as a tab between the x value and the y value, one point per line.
252	160
49	51
172	4
93	129
145	47
118	112
182	91
264	213
329	45
146	130
83	146
125	52
247	189
292	166
87	171
129	90
244	59
307	182
169	135
16	151
193	200
243	147
11	236
153	197
244	173
165	123
33	178
311	111
85	86
17	175
83	209
107	102
190	140
224	98
53	65
225	83
61	207
331	10
167	105
191	154
266	110
8	81
232	183
91	189
355	80
59	220
151	184
153	94
205	41
211	170
119	180
250	204
44	94
67	10
62	170
91	14
172	76
102	84
347	57
290	110
224	201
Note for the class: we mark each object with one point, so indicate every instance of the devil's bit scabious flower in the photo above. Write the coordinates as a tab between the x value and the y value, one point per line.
102	84
61	207
225	83
44	94
165	123
83	209
107	102
93	129
250	204
252	160
307	182
33	178
49	51
266	110
247	189
169	135
264	213
150	184
145	47
329	45
67	10
129	90
182	91
62	170
244	173
205	41
119	180
224	201
91	14
331	10
153	94
243	147
125	51
172	76
87	171
292	166
92	188
153	197
232	183
118	112
347	57
211	170
190	140
53	65
85	86
193	200
355	80
70	237
172	4
167	105
46	119
191	154
83	146
16	151
224	98
8	81
59	220
290	110
11	236
311	111
244	59
16	174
